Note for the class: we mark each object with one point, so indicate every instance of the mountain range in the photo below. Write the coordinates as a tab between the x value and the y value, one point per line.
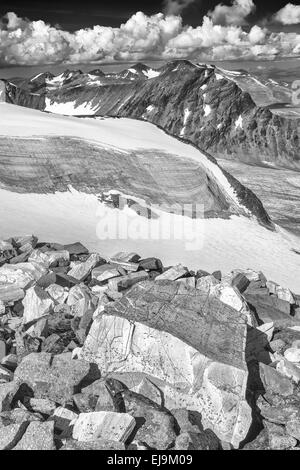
230	114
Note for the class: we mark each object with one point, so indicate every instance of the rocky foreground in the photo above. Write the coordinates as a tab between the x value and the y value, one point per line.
123	353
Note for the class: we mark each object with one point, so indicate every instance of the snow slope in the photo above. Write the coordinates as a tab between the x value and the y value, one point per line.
236	242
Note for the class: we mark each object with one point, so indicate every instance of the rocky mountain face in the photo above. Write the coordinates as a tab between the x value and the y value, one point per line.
123	353
229	114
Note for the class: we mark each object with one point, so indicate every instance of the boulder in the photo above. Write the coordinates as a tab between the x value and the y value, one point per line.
81	270
10	293
41	405
57	293
155	426
274	382
57	378
97	444
278	437
126	257
50	258
124	282
282	293
104	273
38	436
293	428
11	434
205	440
21	275
103	425
76	249
292	355
151	264
37	306
173	273
161	329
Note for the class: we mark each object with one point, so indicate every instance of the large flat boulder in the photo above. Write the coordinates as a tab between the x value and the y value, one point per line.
191	345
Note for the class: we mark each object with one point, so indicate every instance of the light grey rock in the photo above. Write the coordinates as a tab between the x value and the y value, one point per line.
38	436
161	329
282	293
105	272
173	273
274	382
49	258
37	306
103	425
278	437
124	282
293	428
11	434
57	293
82	270
292	355
97	444
289	369
42	405
21	275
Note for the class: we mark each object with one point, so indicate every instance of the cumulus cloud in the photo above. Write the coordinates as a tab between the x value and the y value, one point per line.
26	42
175	7
235	14
290	14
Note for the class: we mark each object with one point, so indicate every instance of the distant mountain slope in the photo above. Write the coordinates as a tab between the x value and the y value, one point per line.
62	175
230	114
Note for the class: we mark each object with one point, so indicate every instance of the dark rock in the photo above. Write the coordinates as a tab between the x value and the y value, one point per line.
58	378
76	249
124	282
53	344
151	264
155	425
85	403
217	275
65	280
47	279
261	442
187	420
205	440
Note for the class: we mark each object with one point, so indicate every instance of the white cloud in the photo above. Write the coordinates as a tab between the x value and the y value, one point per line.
290	14
235	14
158	36
175	7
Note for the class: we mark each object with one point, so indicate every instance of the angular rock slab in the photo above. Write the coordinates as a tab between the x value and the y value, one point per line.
192	345
103	425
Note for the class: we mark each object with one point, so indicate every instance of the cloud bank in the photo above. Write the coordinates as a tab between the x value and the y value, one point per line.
26	42
232	15
290	14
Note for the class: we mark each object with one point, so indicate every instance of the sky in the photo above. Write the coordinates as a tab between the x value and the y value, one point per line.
35	32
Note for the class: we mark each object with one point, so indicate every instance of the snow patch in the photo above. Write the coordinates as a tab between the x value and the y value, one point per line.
239	122
219	77
236	243
150	73
207	110
203	87
69	108
187	113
